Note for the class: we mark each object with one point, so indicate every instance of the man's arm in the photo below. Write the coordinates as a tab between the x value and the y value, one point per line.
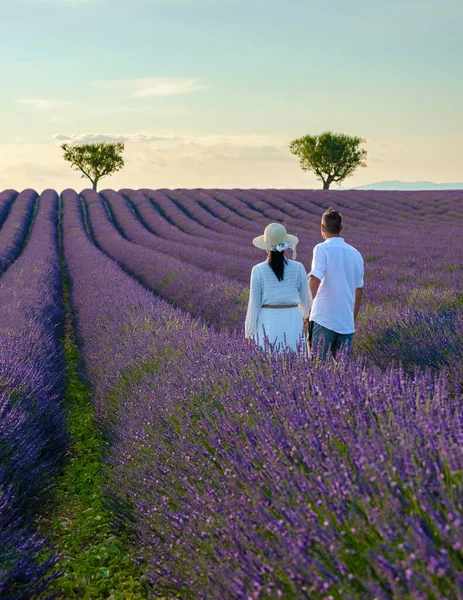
358	301
314	284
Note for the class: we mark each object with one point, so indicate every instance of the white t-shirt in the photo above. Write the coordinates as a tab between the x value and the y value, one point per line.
339	267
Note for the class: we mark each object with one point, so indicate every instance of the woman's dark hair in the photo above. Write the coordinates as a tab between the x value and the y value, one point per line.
277	262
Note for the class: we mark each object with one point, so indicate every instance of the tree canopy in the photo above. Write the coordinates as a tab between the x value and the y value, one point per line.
331	156
95	160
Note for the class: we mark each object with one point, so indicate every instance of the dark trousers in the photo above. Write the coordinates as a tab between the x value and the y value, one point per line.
322	340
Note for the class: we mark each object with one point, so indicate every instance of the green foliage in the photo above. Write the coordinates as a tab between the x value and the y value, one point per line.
331	156
95	160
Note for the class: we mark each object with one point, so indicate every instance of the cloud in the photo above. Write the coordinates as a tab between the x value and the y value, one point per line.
136	138
187	151
42	104
165	154
249	141
151	87
192	149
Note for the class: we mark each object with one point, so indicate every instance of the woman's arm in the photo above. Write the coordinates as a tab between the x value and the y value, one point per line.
306	302
254	304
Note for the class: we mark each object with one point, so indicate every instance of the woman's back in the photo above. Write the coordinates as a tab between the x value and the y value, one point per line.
286	291
279	293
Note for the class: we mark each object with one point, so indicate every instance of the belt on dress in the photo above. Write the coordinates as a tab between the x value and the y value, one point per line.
279	305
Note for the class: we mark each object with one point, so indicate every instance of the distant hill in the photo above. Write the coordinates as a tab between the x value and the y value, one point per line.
410	185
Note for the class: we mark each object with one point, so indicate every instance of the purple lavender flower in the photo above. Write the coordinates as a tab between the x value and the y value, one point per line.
249	476
33	433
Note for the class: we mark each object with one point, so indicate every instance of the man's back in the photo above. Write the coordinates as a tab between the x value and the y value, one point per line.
339	267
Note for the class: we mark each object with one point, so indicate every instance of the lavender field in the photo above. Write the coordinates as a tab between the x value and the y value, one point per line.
232	474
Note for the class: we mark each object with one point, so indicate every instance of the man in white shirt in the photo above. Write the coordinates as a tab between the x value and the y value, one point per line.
336	285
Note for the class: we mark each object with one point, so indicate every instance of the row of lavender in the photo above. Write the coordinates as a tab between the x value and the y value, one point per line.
16	213
183	236
185	285
21	230
249	476
414	289
32	421
376	232
194	248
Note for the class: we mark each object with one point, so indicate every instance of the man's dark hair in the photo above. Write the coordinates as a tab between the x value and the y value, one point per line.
332	220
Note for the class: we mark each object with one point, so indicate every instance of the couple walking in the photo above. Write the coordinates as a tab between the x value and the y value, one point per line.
283	297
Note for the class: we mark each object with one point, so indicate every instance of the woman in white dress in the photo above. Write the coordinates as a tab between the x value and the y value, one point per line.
279	297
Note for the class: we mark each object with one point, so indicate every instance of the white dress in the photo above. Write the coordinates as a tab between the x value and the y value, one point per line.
283	328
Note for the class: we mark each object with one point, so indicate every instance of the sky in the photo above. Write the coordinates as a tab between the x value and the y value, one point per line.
210	93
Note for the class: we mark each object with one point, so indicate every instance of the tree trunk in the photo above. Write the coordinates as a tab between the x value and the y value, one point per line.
329	180
95	184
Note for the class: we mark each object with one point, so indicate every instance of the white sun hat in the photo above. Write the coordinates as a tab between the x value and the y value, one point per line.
276	238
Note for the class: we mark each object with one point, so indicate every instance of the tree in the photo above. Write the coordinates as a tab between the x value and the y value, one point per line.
331	156
95	160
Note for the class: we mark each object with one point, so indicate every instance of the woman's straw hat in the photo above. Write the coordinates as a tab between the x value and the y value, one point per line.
275	238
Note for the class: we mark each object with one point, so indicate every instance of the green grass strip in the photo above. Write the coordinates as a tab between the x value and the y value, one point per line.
95	562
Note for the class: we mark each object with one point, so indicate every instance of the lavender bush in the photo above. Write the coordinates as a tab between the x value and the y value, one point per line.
248	476
237	268
103	327
32	421
7	198
242	475
165	205
18	218
224	213
411	262
187	286
199	214
291	481
170	211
